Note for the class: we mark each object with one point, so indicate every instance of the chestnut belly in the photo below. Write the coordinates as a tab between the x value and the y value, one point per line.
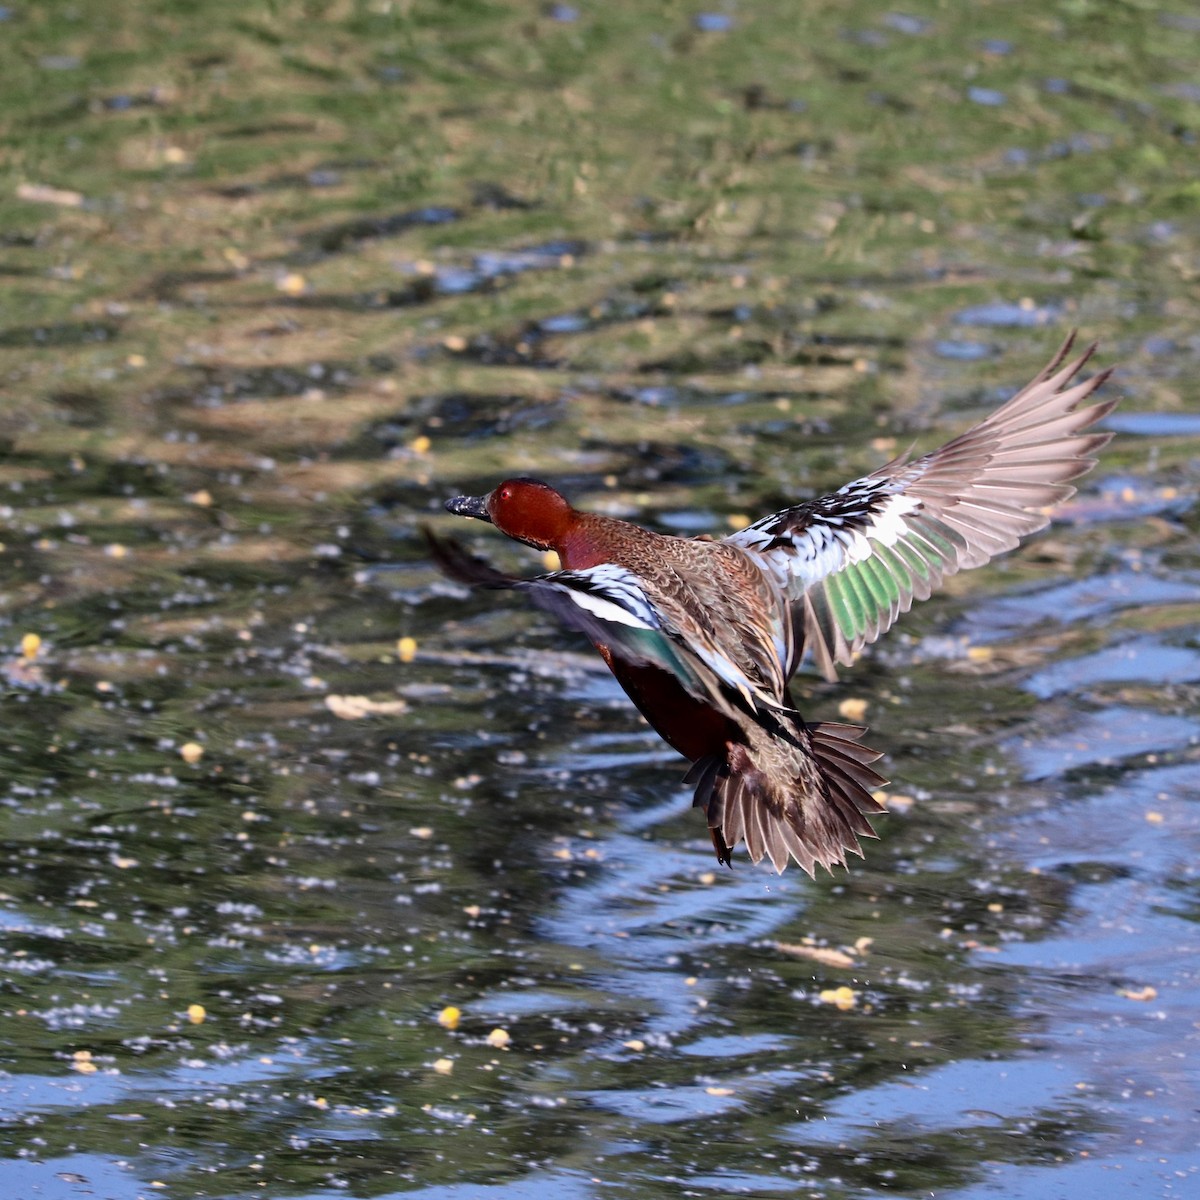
691	726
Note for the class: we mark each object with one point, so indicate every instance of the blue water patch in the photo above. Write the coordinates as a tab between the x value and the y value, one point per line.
958	1095
713	22
1104	739
741	1183
1155	424
906	23
566	323
532	1002
1188	23
962	351
989	97
1002	314
532	258
459	280
1152	1174
1081	600
658	395
73	1177
1144	659
28	1093
734	1045
1181	91
552	1185
690	521
684	1102
454	281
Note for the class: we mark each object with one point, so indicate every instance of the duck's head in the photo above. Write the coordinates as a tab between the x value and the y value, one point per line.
526	509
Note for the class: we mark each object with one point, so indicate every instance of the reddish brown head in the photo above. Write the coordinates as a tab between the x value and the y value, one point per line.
526	509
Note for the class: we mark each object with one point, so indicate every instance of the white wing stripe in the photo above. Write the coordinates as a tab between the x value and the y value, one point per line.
609	593
603	608
829	542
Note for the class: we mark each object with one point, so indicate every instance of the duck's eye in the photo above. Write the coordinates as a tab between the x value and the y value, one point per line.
506	493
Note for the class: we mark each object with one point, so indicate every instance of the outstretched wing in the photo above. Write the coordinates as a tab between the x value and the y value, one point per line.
853	560
609	604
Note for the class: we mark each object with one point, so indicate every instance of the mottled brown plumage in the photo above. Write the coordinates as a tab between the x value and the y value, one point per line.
704	635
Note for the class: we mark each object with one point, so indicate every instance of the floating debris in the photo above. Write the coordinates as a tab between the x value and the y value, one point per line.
81	1061
353	708
840	997
1142	994
895	802
42	193
822	954
291	284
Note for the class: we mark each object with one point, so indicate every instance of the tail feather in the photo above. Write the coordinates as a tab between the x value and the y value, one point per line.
805	798
834	755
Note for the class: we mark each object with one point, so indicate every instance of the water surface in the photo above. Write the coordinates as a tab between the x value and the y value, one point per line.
277	279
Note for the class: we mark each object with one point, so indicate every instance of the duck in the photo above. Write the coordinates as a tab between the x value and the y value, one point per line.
705	634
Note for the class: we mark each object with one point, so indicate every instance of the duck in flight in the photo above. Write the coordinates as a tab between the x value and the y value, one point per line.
704	634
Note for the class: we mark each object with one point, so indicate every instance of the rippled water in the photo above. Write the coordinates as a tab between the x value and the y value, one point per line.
275	797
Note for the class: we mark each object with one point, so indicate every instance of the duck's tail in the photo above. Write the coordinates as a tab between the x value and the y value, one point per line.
804	795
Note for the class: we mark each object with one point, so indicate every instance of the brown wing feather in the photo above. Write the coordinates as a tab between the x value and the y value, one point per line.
854	560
